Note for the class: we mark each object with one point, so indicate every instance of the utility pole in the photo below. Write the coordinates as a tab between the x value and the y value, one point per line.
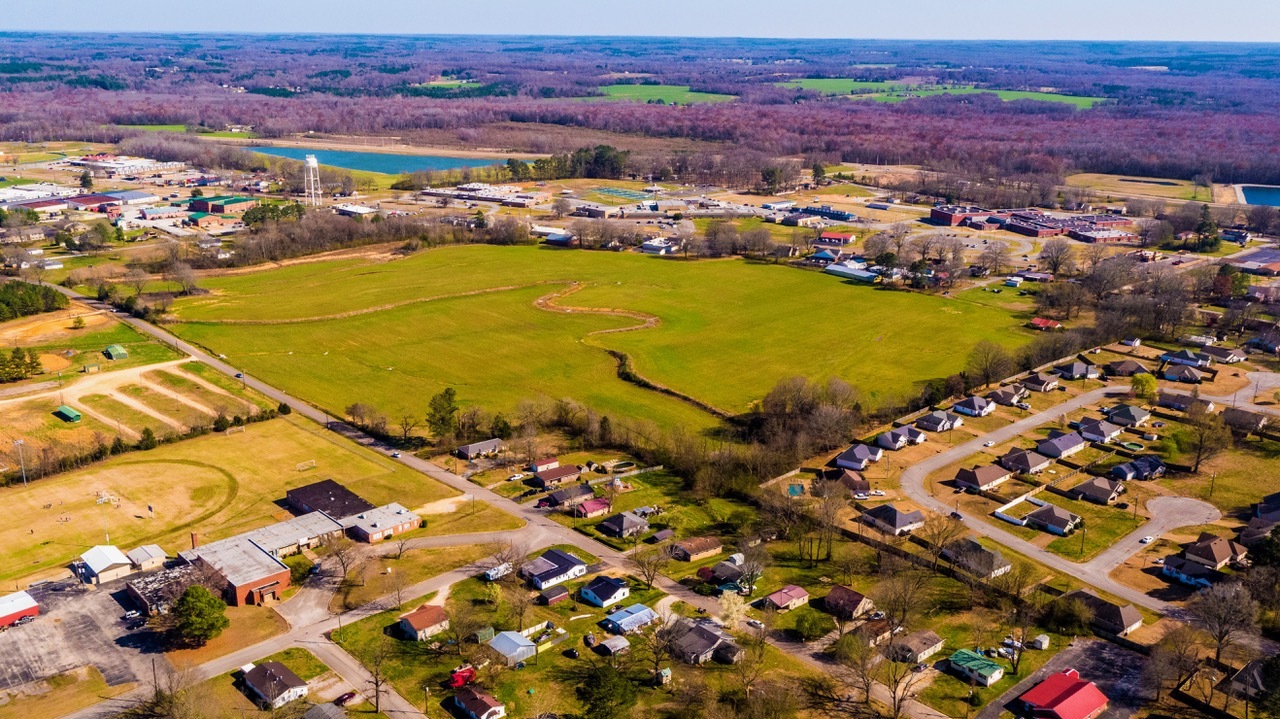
21	459
1212	481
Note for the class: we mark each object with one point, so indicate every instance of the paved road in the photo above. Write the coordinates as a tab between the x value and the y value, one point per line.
1260	383
1096	571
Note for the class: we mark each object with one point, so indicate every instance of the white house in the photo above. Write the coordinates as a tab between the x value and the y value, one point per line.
975	406
605	591
273	684
552	568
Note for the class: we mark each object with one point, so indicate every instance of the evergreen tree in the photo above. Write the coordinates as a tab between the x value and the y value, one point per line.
442	412
148	439
199	616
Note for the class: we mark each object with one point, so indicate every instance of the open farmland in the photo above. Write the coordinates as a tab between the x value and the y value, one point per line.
883	91
218	485
392	333
678	94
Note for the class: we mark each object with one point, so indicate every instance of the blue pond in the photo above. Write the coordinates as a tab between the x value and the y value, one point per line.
375	161
1261	195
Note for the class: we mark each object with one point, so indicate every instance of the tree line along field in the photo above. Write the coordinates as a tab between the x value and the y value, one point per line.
218	485
884	91
726	330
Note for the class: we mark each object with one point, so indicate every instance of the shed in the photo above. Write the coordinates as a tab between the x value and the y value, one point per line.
67	414
116	352
554	595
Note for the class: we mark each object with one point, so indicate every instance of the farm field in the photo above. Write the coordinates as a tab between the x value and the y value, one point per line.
841	85
678	94
883	91
218	485
464	317
1127	185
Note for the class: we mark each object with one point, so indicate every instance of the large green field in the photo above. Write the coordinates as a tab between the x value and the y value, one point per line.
393	333
678	94
882	91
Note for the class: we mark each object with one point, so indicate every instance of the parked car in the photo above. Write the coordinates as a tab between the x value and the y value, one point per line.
1147	540
514	477
345	699
861	496
1022	405
957	515
395	455
132	614
877	493
755	623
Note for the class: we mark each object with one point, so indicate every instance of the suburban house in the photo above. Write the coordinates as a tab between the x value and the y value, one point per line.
1248	683
595	507
900	437
1187	358
976	559
147	557
916	647
974	406
478	705
329	497
847	603
1040	382
514	647
848	479
1054	520
1183	373
542	465
1024	461
1192	574
273	685
788	598
1061	444
939	421
556	476
1098	430
1063	696
1215	552
1098	490
1126	368
1044	325
1108	617
1183	402
859	457
695	548
381	523
1076	370
698	642
1126	415
626	524
475	450
571	495
424	622
1244	421
985	477
1143	468
104	563
552	568
626	620
1008	396
1225	355
974	667
605	591
888	519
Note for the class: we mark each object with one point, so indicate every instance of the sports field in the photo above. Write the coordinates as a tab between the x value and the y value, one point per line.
727	330
217	485
678	94
1150	186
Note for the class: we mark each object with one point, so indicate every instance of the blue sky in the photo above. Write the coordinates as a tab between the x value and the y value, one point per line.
1238	20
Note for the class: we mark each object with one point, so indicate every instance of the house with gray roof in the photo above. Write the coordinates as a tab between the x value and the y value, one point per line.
1126	368
939	421
1127	415
859	457
1183	373
623	525
1008	396
985	477
900	437
1098	430
1108	617
1098	490
1145	467
1061	444
1024	461
1040	382
976	559
1076	370
1054	520
890	520
974	406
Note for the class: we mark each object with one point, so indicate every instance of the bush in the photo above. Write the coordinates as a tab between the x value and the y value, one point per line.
811	625
284	408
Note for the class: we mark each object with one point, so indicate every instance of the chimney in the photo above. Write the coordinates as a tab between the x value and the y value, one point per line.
195	540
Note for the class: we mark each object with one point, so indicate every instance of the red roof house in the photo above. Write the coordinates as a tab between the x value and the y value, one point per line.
1064	696
836	238
1040	323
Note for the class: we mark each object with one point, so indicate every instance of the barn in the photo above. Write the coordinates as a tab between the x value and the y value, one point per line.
16	606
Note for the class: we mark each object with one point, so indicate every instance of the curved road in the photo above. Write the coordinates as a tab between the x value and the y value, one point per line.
1167	512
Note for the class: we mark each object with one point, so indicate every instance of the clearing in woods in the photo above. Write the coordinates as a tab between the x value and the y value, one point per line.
217	485
673	94
722	331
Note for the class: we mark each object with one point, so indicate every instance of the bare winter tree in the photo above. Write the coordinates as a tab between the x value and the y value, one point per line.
939	532
1174	659
343	550
989	362
1057	256
994	257
650	564
1226	612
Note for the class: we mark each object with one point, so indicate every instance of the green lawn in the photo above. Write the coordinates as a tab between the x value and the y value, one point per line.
1102	527
841	86
678	94
299	661
883	91
411	330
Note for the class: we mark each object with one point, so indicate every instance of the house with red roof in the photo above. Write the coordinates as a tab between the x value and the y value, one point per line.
1043	324
836	239
787	598
1064	696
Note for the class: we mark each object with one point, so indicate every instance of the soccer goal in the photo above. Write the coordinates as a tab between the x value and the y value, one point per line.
233	430
304	466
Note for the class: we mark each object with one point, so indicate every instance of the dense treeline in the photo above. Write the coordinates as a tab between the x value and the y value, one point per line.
20	299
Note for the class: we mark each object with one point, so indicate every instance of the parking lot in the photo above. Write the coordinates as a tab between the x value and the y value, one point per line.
75	628
1116	671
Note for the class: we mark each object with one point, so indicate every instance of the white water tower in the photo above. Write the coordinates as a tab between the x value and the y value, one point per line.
311	182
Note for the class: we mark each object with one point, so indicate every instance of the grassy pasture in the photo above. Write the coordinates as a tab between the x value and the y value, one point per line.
841	85
1127	185
678	94
884	91
497	348
218	485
